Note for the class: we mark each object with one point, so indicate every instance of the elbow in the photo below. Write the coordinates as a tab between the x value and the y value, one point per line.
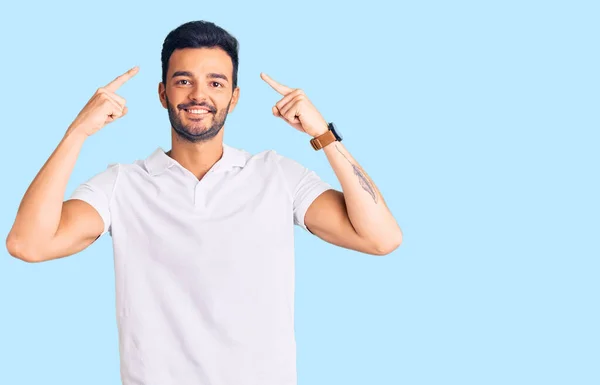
18	249
388	245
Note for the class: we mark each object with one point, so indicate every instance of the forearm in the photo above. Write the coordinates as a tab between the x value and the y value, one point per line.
366	208
39	213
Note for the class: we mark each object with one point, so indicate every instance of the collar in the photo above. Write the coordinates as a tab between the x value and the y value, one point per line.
158	162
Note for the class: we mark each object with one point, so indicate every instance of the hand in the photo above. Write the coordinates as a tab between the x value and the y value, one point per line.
297	110
104	107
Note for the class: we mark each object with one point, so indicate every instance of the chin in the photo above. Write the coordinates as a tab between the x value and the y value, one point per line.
196	134
195	130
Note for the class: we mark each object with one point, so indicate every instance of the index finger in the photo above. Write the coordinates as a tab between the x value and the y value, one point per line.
283	90
121	79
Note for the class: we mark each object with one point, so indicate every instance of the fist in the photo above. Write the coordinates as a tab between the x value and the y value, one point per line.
104	107
296	109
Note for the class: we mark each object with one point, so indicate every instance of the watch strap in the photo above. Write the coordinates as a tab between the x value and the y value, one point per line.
323	140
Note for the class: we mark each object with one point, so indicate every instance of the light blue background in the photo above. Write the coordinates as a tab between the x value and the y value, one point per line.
477	120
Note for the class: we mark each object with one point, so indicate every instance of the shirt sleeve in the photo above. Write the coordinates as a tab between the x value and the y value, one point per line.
304	186
98	192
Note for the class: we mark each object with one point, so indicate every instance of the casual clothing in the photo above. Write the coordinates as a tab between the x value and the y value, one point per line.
205	269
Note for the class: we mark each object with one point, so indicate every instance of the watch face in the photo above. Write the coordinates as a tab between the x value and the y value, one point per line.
336	132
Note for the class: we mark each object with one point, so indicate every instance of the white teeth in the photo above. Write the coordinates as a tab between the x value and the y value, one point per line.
198	111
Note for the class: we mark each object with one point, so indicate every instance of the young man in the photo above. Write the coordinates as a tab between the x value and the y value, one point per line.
203	233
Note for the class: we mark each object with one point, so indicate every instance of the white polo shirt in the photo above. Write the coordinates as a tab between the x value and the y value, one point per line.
205	269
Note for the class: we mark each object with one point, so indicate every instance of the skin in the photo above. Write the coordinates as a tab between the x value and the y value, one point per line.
46	227
355	218
198	77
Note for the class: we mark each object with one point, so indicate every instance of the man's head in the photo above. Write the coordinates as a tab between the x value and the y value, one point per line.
199	79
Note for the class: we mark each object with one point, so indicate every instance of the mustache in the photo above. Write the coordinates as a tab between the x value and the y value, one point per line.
203	104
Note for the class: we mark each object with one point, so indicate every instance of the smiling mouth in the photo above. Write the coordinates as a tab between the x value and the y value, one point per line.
196	111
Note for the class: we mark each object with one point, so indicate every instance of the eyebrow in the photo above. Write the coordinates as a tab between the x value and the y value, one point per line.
211	75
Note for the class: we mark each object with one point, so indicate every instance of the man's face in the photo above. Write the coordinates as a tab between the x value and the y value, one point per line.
198	92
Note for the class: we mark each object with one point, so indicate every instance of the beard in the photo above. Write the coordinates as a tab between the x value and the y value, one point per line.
195	132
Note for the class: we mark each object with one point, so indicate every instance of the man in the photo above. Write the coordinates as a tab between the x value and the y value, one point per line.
203	233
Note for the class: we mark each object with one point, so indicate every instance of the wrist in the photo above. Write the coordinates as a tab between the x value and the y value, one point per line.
76	132
324	128
329	136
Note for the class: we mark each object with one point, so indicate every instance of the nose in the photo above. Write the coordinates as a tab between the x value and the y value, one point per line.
197	93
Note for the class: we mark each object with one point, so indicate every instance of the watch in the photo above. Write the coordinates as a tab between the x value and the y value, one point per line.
332	135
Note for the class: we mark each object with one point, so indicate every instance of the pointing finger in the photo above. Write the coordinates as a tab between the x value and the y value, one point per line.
114	96
120	80
283	90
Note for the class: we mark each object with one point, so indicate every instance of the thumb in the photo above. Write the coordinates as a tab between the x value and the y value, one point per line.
276	111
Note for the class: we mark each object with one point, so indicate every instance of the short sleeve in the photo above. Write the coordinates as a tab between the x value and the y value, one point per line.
98	191
304	185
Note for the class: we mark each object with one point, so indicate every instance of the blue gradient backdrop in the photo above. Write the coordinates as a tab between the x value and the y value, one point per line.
477	120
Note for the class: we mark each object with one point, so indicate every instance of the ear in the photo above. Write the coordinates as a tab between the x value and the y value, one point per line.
162	94
234	99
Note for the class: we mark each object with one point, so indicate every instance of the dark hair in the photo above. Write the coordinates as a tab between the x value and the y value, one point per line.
199	34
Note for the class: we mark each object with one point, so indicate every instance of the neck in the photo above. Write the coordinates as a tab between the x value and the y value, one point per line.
199	157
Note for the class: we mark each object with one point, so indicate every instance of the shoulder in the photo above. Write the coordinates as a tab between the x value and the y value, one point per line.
264	156
272	163
155	161
106	176
265	159
275	158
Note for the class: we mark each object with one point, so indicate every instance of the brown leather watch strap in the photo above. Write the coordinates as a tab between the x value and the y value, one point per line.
322	140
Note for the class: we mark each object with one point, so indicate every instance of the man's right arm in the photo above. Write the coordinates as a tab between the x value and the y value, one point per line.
46	227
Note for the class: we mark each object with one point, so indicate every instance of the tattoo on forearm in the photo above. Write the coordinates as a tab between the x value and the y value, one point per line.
362	178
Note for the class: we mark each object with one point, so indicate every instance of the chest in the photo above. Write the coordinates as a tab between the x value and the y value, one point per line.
218	221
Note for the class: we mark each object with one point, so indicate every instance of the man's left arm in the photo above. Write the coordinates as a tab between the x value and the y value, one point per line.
356	217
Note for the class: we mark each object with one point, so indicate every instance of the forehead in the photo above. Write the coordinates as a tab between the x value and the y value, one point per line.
200	60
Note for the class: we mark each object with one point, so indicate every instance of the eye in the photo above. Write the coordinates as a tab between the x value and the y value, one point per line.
216	84
182	80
